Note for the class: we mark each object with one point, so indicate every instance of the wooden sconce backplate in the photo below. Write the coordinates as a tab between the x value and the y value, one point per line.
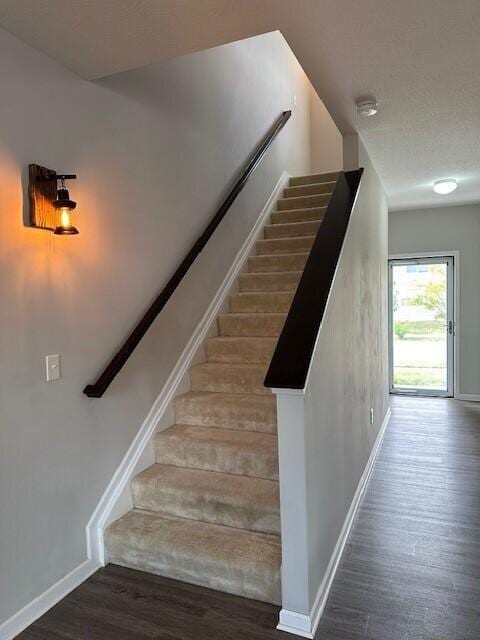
41	194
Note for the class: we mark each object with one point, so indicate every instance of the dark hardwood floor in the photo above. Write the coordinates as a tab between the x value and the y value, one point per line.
410	571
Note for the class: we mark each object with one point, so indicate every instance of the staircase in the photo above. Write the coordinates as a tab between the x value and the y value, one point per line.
208	511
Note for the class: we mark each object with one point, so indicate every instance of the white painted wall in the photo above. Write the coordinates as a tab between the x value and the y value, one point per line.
154	152
325	435
327	144
449	229
349	374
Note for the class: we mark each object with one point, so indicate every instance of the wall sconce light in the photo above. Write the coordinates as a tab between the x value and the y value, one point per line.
50	205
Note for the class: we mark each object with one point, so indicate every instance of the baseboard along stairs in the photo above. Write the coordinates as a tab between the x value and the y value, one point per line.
208	511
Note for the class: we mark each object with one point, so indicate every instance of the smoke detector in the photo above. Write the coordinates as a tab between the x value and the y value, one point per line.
367	108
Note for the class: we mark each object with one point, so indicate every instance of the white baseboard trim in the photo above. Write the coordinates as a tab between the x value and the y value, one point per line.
124	472
36	608
296	623
469	396
306	626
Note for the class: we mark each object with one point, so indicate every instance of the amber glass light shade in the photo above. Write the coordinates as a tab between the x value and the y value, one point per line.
64	207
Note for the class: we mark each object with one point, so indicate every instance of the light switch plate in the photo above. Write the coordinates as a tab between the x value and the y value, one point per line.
53	367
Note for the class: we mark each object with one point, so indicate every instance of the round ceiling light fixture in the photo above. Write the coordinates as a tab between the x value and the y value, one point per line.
367	108
446	186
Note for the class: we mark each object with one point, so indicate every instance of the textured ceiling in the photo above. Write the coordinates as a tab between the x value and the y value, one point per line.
419	58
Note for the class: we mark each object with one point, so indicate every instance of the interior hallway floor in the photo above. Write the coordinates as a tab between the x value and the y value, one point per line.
410	571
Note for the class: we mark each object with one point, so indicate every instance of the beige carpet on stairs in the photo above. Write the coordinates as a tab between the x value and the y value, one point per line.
208	512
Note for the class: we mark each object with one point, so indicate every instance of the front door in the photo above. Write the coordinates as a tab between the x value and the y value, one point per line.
421	326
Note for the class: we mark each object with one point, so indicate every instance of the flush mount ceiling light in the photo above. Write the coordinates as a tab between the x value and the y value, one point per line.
444	187
367	107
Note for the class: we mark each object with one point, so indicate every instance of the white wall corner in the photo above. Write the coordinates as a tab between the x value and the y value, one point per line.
306	625
293	507
40	605
113	501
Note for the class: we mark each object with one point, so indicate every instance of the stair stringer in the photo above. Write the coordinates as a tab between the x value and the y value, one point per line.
116	499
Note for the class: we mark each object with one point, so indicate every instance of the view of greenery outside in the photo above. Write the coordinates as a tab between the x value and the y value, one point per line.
419	310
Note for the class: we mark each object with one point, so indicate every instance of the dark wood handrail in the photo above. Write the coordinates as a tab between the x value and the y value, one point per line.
98	388
293	353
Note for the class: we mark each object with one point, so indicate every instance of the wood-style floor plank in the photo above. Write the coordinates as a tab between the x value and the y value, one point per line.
410	571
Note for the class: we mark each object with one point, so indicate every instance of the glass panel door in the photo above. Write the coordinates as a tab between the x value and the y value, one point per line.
421	326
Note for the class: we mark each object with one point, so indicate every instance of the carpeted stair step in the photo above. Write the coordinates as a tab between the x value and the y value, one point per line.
251	324
229	378
227	410
209	496
261	302
314	178
292	229
244	453
312	189
298	215
240	349
303	202
277	262
236	561
286	281
284	245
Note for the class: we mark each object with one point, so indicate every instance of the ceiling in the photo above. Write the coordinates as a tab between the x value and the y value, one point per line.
420	59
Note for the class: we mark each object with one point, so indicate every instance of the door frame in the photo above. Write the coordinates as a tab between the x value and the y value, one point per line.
456	308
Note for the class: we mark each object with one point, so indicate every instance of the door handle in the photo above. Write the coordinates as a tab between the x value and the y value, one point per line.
451	327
